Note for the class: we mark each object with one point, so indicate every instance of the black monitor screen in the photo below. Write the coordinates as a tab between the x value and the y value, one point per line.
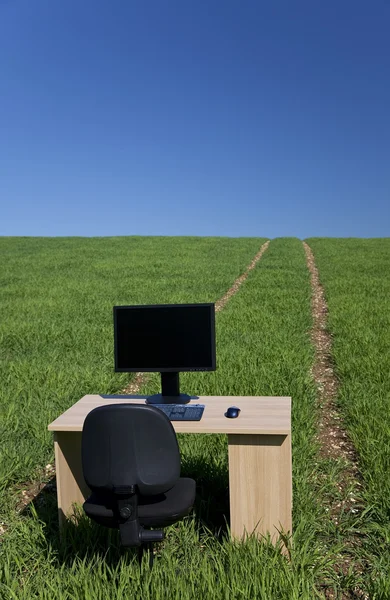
177	337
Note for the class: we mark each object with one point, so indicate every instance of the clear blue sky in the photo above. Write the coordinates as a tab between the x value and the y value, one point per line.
236	118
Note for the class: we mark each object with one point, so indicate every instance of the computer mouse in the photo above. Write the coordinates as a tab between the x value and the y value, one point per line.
232	412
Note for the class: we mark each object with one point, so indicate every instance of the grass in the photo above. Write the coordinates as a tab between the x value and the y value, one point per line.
263	348
356	277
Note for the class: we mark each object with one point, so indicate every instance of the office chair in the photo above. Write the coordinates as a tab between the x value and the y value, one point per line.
131	463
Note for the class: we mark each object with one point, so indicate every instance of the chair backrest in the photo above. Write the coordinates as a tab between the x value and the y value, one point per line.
126	445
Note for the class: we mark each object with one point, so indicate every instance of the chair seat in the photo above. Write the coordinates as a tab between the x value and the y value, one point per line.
153	511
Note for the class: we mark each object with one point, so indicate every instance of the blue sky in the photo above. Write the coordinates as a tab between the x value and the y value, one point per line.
195	118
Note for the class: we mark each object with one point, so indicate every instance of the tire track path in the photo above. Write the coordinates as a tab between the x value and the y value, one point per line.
335	443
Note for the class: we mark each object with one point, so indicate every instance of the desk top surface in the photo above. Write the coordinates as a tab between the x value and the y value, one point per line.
265	415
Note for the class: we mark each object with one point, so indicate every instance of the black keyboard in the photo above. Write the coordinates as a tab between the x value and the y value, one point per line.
180	412
174	412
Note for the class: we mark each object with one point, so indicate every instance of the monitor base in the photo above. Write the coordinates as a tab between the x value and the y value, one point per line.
160	399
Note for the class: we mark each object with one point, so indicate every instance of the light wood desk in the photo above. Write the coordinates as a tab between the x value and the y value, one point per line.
260	477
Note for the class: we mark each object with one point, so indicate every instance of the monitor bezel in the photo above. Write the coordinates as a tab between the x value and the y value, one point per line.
213	366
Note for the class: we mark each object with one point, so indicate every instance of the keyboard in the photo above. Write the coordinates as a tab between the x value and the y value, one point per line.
180	412
174	412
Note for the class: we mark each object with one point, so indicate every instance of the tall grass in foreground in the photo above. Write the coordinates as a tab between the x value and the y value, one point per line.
56	332
356	277
263	348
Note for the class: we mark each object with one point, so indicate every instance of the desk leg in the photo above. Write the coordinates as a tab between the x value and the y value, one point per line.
260	483
71	486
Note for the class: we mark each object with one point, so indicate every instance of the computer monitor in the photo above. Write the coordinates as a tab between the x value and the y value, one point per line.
166	338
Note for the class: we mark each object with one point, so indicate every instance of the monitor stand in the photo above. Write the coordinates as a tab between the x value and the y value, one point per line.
170	391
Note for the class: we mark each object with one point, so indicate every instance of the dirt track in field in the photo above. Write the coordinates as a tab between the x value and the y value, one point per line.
334	441
220	304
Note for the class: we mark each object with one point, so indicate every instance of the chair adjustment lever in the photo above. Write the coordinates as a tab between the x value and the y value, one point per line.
147	536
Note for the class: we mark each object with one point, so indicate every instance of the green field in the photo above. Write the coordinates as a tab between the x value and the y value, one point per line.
56	298
56	320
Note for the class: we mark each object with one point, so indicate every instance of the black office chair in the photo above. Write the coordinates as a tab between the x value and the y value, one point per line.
131	463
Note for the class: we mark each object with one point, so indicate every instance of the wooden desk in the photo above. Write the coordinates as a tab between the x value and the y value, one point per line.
259	441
